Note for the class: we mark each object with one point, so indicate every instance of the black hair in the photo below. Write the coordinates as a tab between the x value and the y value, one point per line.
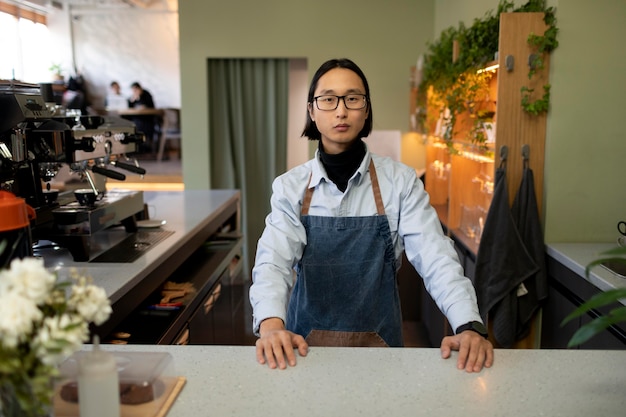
136	85
310	128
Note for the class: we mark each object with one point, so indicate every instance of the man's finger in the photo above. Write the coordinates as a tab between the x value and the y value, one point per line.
260	355
463	355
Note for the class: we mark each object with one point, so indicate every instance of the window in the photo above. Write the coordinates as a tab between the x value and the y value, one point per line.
25	47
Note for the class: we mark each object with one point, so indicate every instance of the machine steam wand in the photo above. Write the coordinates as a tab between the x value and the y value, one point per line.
91	182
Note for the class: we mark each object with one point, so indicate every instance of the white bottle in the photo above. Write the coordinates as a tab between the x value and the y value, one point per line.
98	384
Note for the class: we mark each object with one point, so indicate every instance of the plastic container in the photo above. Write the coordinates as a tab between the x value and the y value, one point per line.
146	381
98	384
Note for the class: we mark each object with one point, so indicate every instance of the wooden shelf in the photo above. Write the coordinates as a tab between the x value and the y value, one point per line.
465	183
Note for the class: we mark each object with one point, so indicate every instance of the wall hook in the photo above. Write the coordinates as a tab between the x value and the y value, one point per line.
504	153
525	152
509	62
533	61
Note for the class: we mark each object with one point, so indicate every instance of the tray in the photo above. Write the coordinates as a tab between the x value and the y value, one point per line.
159	407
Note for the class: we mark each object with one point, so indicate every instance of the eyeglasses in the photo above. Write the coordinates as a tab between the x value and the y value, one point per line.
351	101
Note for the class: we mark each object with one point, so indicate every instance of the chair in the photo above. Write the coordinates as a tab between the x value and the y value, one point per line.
169	130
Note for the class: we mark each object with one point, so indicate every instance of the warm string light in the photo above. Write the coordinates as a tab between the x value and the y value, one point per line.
490	68
477	157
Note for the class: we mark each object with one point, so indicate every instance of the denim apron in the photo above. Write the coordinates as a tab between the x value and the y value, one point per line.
346	291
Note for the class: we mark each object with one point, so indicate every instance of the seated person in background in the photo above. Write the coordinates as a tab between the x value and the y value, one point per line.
142	99
115	100
115	88
75	96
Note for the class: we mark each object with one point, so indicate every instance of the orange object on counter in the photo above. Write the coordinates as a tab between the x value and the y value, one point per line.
14	212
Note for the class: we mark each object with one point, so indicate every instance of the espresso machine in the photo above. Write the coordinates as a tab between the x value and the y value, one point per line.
36	140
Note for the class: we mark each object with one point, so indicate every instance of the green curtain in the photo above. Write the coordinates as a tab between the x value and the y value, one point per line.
248	105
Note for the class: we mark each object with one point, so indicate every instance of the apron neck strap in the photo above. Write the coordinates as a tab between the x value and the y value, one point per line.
380	207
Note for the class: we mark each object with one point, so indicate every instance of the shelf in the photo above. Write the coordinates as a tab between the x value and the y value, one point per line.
461	174
201	271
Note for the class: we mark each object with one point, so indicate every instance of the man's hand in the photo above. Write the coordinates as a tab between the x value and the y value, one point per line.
474	350
276	345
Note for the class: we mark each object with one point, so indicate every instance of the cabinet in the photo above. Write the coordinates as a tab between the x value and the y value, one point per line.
567	291
207	265
213	277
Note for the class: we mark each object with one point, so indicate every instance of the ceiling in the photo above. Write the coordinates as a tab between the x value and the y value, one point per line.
98	5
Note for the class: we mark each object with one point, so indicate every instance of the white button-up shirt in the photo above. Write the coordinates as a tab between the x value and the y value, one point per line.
414	224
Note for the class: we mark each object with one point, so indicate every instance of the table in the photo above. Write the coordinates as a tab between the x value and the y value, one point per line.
147	120
227	381
137	111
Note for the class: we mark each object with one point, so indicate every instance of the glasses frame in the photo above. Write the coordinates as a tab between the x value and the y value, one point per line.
341	98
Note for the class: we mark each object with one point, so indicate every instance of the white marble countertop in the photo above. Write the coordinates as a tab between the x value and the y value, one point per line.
227	381
185	213
576	256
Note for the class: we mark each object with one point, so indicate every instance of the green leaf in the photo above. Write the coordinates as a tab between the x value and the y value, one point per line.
597	325
598	300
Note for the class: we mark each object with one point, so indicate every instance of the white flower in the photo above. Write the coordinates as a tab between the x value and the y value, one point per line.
42	323
90	302
27	278
59	337
18	315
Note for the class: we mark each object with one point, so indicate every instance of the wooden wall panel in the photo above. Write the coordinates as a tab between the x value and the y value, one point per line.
514	126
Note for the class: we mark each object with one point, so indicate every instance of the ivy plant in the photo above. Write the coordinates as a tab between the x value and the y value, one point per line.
542	45
454	85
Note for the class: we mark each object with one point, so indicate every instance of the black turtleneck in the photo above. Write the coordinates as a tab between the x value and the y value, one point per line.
342	166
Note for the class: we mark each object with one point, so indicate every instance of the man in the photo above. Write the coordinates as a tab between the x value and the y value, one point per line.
142	99
342	221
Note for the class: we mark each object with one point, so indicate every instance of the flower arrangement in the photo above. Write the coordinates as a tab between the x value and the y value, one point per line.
43	320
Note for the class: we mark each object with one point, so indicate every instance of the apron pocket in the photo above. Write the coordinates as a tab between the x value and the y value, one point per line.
344	339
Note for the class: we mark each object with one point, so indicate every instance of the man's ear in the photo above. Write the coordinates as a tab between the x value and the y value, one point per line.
309	107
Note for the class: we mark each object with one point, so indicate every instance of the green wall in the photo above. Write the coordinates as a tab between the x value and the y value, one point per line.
584	184
585	161
383	37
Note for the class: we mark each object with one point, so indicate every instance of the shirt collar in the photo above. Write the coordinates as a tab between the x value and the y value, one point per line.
318	172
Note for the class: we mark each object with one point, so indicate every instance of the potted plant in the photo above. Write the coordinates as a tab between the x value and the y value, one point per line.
455	85
606	298
57	71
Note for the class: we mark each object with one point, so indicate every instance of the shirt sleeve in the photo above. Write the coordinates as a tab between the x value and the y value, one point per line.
280	247
433	256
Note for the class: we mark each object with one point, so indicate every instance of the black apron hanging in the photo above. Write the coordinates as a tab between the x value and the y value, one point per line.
502	264
525	214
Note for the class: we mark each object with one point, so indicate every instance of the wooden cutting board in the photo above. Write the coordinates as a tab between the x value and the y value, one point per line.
158	407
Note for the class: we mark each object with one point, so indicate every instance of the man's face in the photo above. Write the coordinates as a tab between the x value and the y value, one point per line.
340	127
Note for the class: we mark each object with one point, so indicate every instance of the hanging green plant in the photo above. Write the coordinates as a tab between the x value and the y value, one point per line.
455	85
535	107
542	46
452	83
